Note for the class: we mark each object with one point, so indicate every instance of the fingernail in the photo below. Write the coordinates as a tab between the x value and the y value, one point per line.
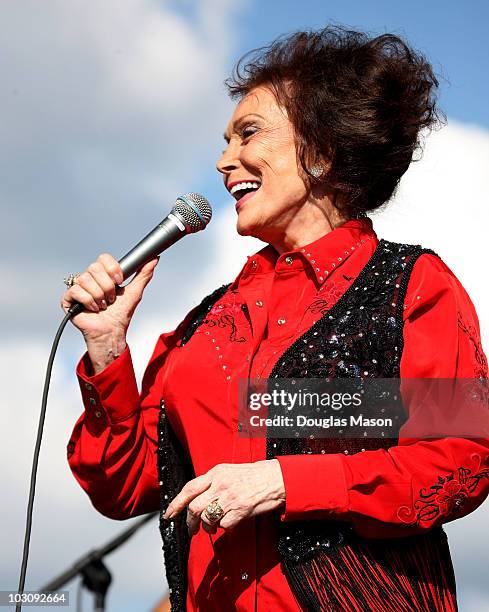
118	278
111	299
103	303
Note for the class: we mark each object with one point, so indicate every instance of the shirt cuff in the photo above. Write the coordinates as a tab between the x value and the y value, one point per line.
111	395
313	484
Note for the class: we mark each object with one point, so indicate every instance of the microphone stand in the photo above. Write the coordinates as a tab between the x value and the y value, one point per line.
96	576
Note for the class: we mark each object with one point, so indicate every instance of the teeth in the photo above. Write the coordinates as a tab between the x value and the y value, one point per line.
244	185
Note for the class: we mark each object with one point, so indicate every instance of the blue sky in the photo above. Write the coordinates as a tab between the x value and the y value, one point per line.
452	34
110	110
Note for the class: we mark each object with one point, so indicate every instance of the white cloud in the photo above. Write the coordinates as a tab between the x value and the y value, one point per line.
443	204
108	110
100	100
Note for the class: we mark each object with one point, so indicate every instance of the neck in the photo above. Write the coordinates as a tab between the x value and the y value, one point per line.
312	221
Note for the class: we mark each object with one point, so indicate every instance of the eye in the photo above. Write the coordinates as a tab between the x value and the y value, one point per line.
248	131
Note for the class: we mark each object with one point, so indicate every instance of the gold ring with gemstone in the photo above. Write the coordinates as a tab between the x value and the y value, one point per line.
69	280
214	512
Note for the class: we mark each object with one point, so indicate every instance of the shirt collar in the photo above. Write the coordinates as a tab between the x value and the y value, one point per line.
322	256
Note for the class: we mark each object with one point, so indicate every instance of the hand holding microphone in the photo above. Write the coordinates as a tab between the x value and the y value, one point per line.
101	309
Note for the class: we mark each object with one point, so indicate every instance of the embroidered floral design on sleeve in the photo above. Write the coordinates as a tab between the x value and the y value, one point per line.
444	498
480	370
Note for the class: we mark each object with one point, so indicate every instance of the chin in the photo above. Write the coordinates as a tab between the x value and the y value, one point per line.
244	229
252	223
244	225
247	226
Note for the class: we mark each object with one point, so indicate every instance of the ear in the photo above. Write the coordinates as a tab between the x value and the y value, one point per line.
316	171
317	165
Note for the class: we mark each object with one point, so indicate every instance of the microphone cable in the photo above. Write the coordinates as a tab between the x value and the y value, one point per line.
35	461
190	213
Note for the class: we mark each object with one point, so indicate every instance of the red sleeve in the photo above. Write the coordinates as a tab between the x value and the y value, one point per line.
112	450
418	484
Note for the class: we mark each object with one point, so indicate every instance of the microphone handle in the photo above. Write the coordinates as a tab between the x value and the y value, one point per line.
158	240
163	236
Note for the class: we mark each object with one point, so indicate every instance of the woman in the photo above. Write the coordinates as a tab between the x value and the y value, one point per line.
327	122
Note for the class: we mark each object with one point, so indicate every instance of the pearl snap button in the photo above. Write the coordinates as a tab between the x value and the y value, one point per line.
259	303
289	260
281	321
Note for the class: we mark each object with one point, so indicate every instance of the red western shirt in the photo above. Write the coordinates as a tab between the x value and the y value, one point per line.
274	299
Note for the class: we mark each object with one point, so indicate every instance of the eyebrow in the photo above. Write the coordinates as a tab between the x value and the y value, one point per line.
239	122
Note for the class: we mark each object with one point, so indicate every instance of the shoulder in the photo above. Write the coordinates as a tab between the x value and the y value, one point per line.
432	281
429	278
440	323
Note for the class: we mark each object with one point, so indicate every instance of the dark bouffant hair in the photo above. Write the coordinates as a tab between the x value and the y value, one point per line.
358	102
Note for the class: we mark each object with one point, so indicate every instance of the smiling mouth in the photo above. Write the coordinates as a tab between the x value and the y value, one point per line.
241	189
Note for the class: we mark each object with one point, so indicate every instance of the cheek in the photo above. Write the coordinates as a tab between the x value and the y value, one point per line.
283	169
255	157
271	156
287	190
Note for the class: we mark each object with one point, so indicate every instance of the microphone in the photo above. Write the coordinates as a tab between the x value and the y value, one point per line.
190	213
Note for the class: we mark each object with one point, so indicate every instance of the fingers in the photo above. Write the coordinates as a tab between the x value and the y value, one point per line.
193	520
196	512
96	287
241	490
142	278
88	283
78	294
111	267
194	487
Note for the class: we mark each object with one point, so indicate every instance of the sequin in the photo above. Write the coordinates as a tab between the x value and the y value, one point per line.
354	326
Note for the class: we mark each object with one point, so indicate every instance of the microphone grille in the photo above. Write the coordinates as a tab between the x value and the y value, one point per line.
195	211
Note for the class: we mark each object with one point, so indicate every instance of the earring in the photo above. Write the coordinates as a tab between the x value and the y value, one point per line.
316	170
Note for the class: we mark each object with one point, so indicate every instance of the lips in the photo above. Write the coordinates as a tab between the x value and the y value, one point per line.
240	189
244	199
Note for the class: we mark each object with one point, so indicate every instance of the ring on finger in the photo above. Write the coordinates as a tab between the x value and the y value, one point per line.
214	512
69	280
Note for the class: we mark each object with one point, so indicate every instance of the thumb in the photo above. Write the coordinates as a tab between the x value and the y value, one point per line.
142	278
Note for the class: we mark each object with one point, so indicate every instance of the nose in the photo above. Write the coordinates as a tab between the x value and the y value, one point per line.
228	160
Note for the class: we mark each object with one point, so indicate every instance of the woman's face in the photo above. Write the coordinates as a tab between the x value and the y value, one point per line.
260	169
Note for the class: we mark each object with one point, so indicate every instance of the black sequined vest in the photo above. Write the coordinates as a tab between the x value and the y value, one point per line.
361	335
